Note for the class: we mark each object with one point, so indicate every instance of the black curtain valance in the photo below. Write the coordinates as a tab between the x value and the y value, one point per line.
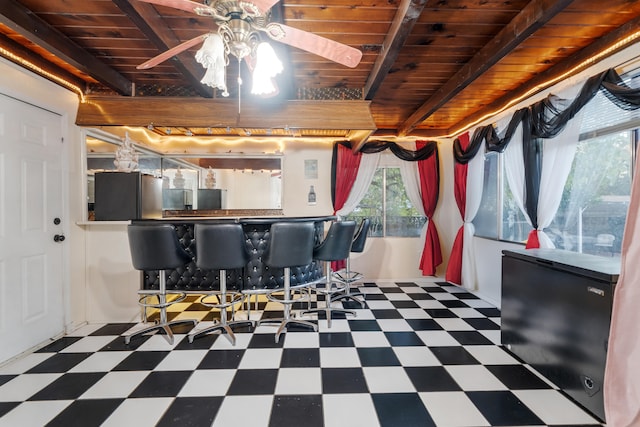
371	147
544	120
402	153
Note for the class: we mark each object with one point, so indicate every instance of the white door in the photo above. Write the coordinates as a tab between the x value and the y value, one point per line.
31	293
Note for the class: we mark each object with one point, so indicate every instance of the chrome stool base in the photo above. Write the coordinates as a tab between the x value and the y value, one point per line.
330	291
230	300
287	300
165	326
223	327
161	305
347	292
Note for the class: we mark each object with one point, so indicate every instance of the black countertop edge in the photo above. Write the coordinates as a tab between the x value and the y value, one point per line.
241	220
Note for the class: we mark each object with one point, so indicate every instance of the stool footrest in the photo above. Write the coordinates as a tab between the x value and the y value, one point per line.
236	298
142	301
273	296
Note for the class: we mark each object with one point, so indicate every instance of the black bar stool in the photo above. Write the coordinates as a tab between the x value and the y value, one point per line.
290	245
156	247
221	247
347	276
334	247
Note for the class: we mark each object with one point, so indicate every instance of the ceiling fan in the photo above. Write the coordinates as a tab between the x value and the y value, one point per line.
239	24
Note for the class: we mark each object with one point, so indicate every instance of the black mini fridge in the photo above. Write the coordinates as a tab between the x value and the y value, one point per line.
123	196
212	198
556	313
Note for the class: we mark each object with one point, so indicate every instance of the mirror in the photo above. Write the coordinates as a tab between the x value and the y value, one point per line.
195	182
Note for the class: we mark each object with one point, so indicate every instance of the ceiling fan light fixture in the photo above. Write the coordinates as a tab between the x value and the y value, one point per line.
212	57
239	24
267	67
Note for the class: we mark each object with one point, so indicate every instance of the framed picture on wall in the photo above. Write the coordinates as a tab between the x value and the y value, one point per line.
311	169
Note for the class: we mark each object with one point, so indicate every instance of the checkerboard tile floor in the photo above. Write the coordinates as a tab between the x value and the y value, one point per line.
421	353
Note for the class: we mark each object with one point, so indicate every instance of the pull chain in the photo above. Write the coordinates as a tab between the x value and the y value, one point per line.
239	86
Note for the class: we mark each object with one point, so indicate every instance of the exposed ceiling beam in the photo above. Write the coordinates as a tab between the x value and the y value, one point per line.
147	19
617	40
530	19
48	69
358	138
416	133
220	113
408	13
30	26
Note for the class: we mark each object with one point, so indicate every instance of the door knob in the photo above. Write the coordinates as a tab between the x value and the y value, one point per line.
58	238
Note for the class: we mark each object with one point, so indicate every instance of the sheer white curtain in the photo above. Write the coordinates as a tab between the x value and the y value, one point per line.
514	164
411	181
475	182
368	167
557	158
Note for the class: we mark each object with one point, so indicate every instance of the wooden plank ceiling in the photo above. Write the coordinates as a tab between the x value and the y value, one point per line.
429	67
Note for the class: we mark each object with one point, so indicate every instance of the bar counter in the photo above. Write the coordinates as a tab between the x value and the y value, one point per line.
255	275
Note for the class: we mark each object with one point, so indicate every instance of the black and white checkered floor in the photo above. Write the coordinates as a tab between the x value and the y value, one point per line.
421	353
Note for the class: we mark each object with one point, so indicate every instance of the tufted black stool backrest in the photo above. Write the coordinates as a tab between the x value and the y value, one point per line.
337	244
361	236
220	246
290	244
155	247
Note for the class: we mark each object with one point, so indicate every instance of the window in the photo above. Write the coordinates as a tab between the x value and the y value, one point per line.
387	204
513	225
595	200
499	216
485	222
594	204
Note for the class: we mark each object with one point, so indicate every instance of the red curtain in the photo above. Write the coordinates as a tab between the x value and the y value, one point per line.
532	241
454	268
347	164
428	170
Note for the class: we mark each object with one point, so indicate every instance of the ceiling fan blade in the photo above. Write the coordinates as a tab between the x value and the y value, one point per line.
321	46
264	5
172	52
186	5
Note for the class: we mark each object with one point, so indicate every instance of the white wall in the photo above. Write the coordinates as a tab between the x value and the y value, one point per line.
489	268
112	283
27	87
296	187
